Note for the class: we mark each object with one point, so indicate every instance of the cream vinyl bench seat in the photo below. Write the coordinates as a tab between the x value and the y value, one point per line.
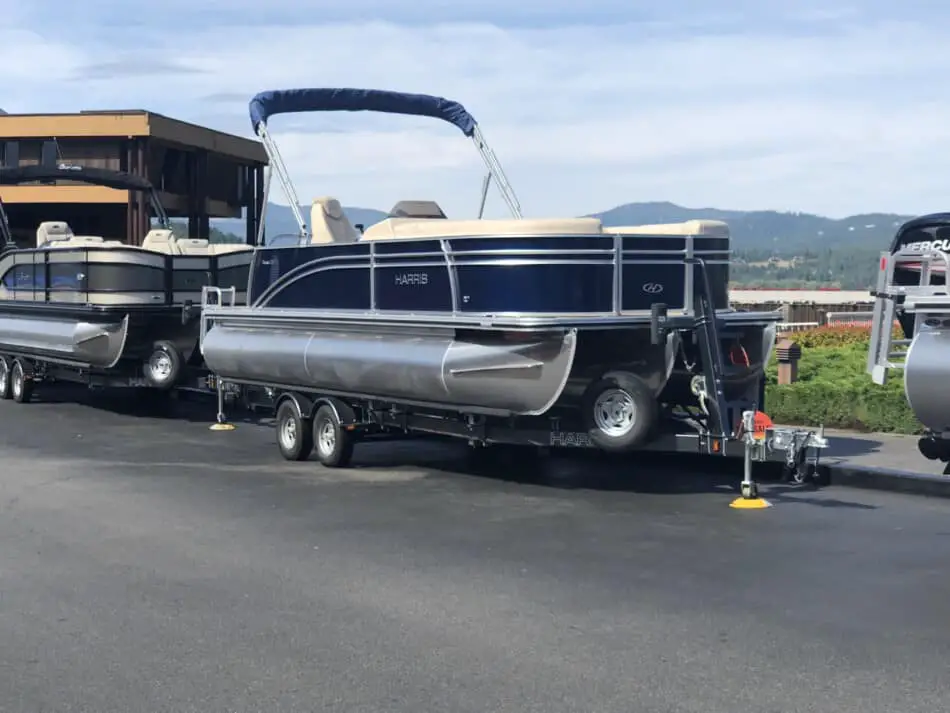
412	228
689	227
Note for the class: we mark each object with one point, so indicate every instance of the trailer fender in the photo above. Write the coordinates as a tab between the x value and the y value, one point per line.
305	406
342	410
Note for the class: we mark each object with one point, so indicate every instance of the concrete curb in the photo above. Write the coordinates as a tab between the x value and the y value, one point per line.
895	481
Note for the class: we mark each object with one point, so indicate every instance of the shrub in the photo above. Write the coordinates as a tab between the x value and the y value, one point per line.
836	335
834	389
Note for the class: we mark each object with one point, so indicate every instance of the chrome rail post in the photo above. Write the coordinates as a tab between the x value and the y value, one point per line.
689	284
372	276
618	274
453	275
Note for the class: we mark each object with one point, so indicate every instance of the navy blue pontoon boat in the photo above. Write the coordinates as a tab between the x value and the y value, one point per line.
541	331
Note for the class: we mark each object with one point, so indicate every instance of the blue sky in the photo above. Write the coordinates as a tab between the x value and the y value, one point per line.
749	104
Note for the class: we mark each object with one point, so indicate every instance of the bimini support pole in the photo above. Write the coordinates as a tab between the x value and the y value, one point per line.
481	205
262	219
277	166
497	172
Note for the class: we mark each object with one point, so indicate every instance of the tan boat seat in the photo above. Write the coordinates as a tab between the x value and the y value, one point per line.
161	240
409	228
50	231
712	228
329	224
85	241
194	246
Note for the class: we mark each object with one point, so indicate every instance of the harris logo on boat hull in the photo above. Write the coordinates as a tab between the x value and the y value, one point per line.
407	279
652	288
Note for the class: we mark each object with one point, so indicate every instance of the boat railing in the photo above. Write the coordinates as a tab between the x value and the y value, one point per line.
929	302
212	296
451	253
624	253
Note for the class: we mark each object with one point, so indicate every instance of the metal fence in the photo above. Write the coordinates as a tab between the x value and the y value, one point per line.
853	318
796	326
814	315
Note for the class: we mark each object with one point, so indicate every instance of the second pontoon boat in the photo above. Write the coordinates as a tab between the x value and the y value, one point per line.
88	308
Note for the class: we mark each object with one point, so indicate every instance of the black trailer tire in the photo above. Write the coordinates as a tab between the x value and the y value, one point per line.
163	367
333	443
619	412
5	390
294	434
21	383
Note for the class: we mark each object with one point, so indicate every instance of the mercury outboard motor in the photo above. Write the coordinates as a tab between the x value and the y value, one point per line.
928	232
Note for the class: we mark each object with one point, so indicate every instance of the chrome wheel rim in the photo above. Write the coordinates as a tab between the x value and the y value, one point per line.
160	364
326	441
4	376
288	433
615	412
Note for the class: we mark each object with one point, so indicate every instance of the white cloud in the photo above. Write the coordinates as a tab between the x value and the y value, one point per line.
838	117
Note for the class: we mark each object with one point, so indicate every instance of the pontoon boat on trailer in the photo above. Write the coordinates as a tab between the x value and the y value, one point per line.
81	307
912	289
546	331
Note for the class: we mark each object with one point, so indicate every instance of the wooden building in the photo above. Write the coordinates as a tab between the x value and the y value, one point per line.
199	173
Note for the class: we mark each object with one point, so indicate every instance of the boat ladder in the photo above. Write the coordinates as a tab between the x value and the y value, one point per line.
929	304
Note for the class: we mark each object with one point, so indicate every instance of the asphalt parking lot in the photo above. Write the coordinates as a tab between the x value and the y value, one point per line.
149	564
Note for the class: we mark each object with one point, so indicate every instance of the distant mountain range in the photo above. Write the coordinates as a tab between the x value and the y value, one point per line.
773	231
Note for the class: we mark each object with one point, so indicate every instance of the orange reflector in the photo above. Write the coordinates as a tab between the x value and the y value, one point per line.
761	423
715	445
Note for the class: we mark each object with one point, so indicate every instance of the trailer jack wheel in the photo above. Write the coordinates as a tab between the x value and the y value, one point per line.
21	382
294	437
334	444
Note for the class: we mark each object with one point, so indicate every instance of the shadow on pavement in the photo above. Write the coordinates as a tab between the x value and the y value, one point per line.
645	472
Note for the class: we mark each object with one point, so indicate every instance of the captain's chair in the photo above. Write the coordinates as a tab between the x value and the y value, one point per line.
161	240
194	246
51	231
329	224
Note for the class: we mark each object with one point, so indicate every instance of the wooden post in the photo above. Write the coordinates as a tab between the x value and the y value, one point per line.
788	354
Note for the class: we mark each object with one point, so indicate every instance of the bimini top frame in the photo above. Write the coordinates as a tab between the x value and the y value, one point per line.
288	101
94	176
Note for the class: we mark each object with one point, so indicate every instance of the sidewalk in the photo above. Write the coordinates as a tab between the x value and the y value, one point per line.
877	450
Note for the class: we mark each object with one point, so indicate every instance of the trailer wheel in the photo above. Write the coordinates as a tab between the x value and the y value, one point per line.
294	437
619	411
334	444
163	366
5	391
21	383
